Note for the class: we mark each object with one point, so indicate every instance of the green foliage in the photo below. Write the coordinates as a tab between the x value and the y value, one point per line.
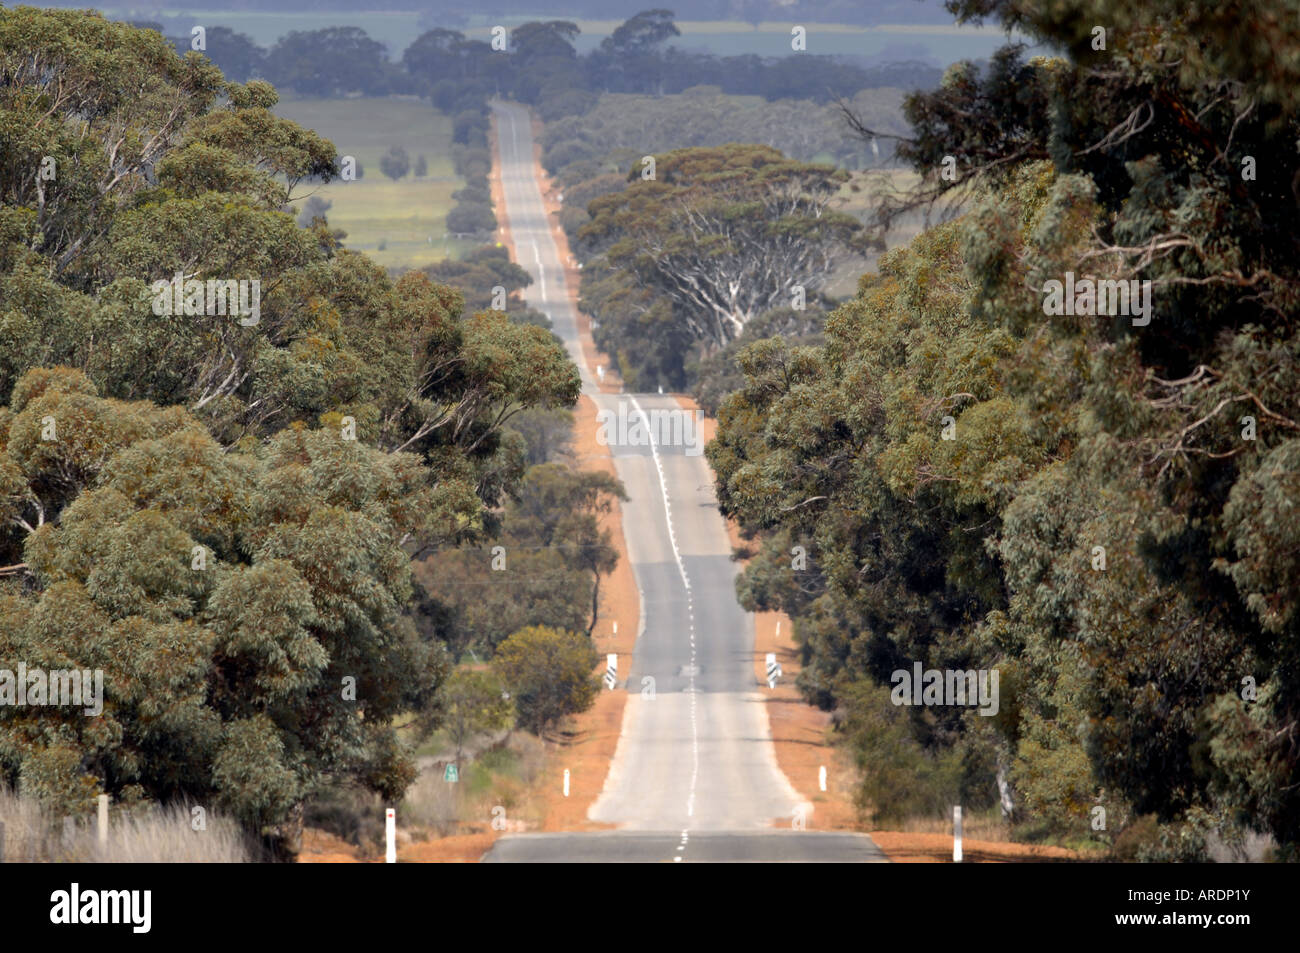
901	779
471	218
619	128
547	434
395	163
675	255
218	514
235	54
1125	684
476	703
544	569
474	607
315	207
226	596
333	61
479	272
549	675
719	374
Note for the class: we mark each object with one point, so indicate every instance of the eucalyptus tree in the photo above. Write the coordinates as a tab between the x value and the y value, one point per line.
222	437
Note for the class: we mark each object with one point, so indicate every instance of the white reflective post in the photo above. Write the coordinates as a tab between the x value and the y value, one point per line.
956	834
101	820
390	835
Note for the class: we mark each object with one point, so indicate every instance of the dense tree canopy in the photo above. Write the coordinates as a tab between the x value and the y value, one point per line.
228	598
1094	505
538	64
478	273
549	674
216	505
621	128
715	238
333	61
235	54
544	566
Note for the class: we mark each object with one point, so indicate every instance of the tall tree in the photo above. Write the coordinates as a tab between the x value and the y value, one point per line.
332	61
718	236
211	491
629	59
244	607
1087	498
236	55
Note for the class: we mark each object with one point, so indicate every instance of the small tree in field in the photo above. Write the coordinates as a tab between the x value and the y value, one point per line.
549	673
395	163
476	703
315	207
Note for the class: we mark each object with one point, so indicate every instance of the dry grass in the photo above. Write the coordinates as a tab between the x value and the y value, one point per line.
146	834
921	848
493	784
439	821
431	803
986	827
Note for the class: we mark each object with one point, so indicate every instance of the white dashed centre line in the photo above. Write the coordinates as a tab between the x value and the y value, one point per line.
690	613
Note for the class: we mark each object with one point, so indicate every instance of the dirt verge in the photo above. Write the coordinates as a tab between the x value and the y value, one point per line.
588	747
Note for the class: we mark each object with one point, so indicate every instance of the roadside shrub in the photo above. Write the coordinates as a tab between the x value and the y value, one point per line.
549	673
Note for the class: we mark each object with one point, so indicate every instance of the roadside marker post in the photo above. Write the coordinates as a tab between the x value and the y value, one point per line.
390	835
773	670
611	671
821	777
956	834
566	782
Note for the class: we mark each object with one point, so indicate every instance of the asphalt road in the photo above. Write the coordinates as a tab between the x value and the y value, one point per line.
730	847
695	766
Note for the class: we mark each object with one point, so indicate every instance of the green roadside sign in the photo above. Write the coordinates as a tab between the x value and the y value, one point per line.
450	773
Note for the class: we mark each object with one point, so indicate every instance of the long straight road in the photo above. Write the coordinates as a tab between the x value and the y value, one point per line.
695	753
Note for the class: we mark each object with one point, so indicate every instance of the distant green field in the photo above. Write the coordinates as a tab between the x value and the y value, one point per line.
725	38
405	217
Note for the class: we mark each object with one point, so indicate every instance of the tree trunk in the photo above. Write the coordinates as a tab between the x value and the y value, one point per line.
595	602
1004	788
285	838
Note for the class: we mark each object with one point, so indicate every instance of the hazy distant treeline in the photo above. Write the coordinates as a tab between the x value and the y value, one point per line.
459	13
540	65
